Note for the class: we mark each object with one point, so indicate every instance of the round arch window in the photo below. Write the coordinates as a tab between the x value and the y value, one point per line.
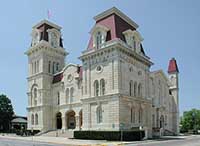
99	68
69	78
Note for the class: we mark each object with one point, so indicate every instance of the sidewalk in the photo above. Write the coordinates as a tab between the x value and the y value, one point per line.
75	142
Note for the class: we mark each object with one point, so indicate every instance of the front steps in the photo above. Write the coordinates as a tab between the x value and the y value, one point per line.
60	133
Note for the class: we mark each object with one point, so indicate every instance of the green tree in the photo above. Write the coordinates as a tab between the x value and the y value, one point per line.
6	112
190	120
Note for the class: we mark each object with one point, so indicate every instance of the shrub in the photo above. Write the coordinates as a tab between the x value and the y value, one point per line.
109	135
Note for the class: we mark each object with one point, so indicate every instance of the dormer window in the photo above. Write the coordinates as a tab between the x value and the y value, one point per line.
98	39
133	39
99	34
133	43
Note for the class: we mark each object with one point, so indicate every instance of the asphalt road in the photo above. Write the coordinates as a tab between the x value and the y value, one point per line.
188	141
12	142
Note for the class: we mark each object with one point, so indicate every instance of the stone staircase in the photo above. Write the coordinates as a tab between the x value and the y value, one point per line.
168	133
59	133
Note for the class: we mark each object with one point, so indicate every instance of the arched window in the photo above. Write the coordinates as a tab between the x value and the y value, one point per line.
67	95
132	115
135	89
102	86
140	90
32	119
153	120
36	119
98	39
49	67
96	88
133	43
71	94
130	88
35	96
99	114
57	66
140	115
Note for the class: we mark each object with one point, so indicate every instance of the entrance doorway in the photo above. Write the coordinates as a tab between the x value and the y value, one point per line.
162	121
71	120
59	120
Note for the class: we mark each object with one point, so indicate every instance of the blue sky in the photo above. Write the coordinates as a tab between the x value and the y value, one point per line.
169	28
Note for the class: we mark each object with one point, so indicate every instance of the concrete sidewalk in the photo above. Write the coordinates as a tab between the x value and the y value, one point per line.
76	142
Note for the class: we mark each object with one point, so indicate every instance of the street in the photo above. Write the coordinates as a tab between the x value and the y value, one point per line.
173	141
188	141
14	142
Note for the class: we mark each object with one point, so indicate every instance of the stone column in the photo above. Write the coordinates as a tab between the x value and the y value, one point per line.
63	123
77	123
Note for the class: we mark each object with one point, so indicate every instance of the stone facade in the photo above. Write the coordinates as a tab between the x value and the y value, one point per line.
113	89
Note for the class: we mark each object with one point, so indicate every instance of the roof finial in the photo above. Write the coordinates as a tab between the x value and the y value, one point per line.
48	14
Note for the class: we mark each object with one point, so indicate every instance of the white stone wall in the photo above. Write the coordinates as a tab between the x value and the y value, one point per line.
118	68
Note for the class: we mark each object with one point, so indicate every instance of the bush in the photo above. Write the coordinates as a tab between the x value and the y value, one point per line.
26	132
109	135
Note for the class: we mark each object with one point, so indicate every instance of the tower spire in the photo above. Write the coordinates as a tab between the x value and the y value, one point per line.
173	67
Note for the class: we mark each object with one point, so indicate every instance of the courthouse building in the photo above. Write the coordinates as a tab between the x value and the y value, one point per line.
112	89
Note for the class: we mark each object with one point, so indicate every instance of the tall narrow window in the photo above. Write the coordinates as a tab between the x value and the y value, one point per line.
132	115
96	88
53	67
49	67
133	43
58	98
153	120
102	86
32	68
140	90
38	66
35	67
32	119
57	66
140	115
135	89
98	39
99	114
71	94
35	96
36	119
130	88
67	95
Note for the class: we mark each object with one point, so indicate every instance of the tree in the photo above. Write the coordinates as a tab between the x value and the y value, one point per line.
6	112
190	120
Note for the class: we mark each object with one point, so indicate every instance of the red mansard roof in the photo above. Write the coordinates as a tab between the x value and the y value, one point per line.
115	23
57	78
173	67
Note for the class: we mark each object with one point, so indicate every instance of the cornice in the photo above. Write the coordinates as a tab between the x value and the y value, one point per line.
44	45
117	44
47	22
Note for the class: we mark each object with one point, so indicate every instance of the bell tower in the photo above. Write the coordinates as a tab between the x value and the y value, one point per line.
46	57
173	72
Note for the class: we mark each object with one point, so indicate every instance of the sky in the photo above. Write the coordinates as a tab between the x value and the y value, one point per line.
170	28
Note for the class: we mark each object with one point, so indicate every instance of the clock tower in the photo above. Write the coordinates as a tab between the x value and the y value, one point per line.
173	72
46	57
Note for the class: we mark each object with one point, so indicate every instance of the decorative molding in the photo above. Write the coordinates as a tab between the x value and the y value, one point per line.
47	22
